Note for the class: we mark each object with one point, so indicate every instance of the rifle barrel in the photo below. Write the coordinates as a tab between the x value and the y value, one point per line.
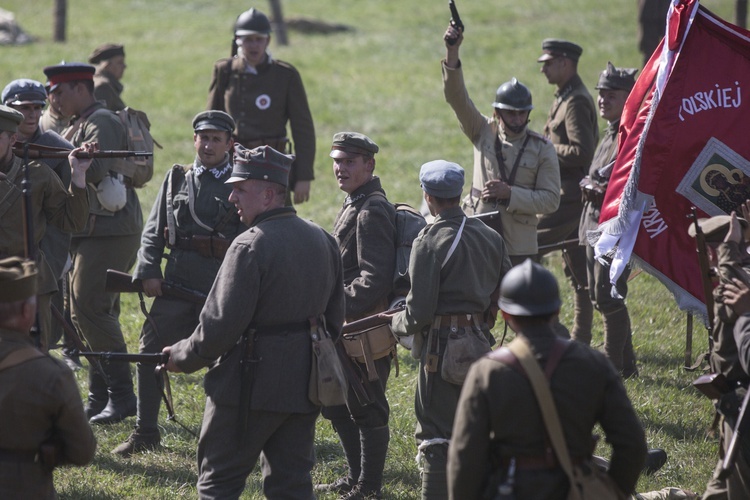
37	154
155	358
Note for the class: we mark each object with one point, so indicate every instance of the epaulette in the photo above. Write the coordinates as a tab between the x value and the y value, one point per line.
285	65
537	135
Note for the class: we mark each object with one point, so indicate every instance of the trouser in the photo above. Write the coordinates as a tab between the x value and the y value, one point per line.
44	314
283	441
173	320
363	430
737	485
555	228
618	336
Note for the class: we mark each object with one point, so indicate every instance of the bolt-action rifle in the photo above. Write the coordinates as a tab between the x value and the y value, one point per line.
37	151
119	282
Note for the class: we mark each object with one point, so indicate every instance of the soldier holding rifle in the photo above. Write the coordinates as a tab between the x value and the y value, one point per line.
51	203
191	225
42	423
365	230
257	322
515	169
730	233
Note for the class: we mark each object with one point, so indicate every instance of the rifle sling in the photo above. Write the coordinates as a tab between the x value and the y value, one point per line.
509	179
19	356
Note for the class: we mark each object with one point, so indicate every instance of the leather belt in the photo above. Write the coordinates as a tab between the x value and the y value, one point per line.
206	246
462	320
297	327
280	144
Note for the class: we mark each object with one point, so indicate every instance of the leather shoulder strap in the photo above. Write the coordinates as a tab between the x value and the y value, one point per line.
19	356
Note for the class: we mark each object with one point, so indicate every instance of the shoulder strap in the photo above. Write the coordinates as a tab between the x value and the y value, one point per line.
509	179
171	223
455	243
19	356
540	385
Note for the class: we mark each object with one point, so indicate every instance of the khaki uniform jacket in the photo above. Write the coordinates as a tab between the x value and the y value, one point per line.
365	230
39	400
56	243
606	152
281	271
66	209
573	129
262	104
536	189
498	417
103	126
107	88
211	206
52	121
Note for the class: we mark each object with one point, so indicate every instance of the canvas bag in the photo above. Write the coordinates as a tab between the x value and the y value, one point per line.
587	481
327	386
463	347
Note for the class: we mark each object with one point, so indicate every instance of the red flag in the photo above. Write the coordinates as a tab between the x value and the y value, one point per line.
682	143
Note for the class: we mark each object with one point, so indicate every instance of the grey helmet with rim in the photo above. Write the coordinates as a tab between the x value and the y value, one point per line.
513	95
252	22
529	289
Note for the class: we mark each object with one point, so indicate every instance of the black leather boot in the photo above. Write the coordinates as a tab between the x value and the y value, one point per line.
374	442
348	433
98	396
122	402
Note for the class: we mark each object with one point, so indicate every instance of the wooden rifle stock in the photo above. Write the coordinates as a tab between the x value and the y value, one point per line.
37	151
119	282
360	326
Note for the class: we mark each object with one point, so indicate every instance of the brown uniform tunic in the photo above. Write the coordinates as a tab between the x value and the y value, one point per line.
107	88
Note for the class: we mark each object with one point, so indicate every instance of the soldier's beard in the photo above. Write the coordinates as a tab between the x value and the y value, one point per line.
517	129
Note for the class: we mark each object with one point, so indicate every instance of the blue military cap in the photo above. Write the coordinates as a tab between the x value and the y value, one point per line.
553	47
262	163
213	120
442	178
24	91
68	72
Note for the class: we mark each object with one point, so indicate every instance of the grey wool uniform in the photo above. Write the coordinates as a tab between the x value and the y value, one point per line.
211	215
446	295
500	419
261	104
536	187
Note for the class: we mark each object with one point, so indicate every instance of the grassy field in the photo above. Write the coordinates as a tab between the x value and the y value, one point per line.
381	78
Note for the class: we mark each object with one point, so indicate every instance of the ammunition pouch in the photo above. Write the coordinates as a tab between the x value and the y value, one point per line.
374	344
466	343
206	246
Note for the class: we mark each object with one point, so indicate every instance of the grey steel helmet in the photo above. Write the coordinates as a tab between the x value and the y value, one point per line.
252	22
529	290
24	91
513	95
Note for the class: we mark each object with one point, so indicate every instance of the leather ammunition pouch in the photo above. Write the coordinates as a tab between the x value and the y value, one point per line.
206	246
372	345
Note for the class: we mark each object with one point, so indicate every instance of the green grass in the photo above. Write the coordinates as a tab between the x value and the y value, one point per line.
382	79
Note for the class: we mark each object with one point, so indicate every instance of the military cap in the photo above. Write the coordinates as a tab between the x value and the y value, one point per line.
106	51
348	144
213	120
553	47
442	178
24	91
9	119
17	279
529	289
68	72
715	228
616	78
262	163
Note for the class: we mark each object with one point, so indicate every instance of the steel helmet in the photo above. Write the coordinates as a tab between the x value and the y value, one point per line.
513	95
252	22
529	290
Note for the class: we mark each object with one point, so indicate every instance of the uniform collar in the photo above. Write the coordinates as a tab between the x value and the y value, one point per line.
362	191
217	172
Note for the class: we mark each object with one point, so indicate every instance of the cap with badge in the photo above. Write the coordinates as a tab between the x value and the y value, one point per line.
106	51
9	119
262	163
213	120
17	279
350	144
68	72
616	78
24	91
554	47
715	228
443	179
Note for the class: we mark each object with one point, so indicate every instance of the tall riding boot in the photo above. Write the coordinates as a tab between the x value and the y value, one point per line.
374	442
98	397
348	433
122	401
149	398
584	316
616	334
629	367
435	475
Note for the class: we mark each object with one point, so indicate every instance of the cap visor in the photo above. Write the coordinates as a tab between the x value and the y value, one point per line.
339	154
234	179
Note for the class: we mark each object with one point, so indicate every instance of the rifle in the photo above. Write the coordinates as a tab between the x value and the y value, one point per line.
455	22
37	151
364	325
119	282
148	358
708	289
492	219
560	245
28	236
739	429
